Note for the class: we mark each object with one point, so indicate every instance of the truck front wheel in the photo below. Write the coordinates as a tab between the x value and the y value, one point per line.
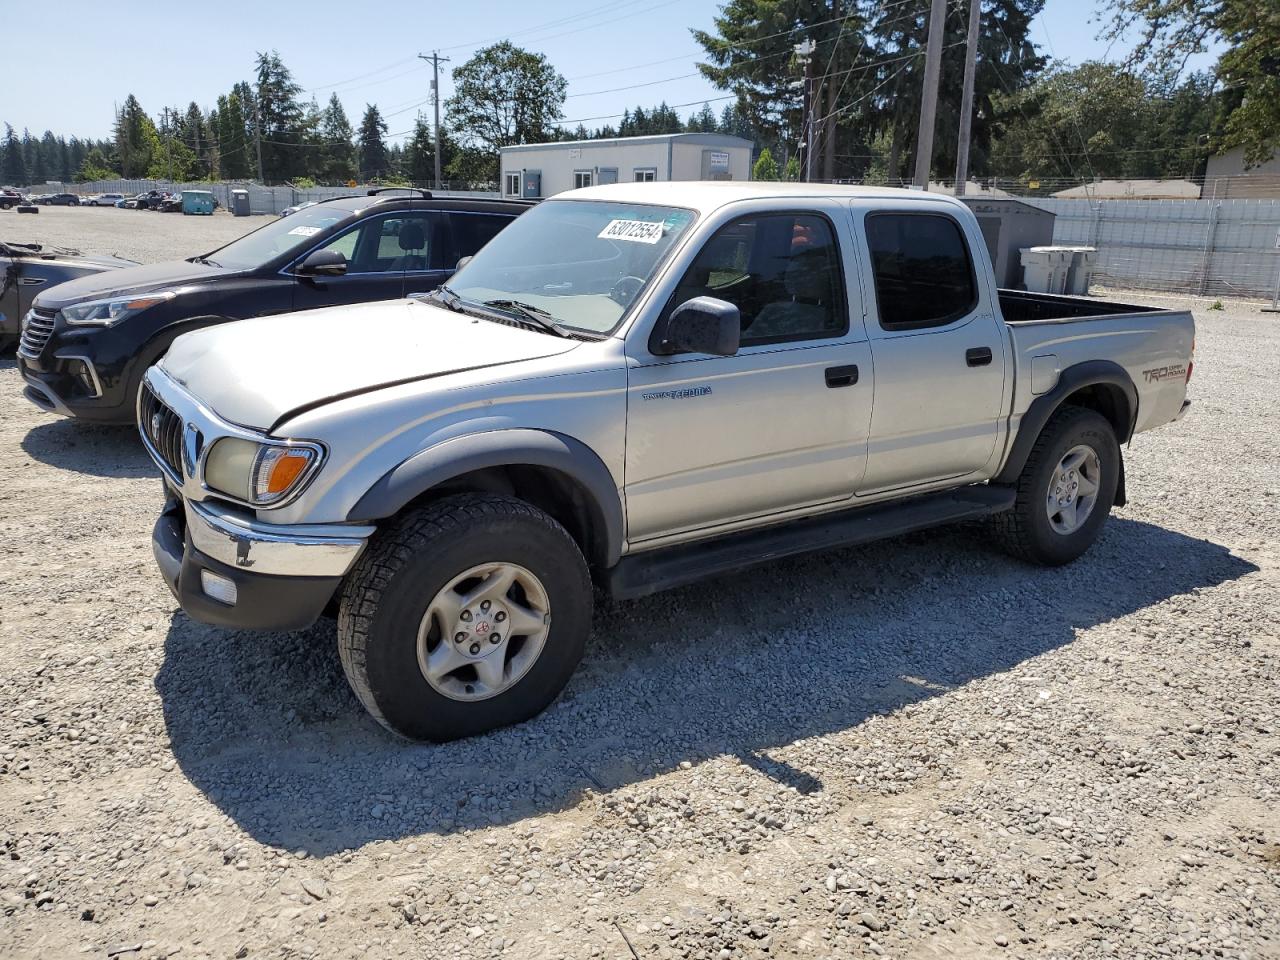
1066	489
466	615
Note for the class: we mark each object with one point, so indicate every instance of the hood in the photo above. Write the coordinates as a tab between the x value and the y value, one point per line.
255	372
129	280
30	252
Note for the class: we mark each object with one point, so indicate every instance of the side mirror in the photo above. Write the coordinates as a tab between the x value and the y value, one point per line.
700	325
323	263
462	263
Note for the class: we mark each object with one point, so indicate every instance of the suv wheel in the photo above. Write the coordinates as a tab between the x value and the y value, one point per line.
1066	489
466	615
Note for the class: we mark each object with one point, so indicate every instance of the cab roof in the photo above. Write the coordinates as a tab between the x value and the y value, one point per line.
708	195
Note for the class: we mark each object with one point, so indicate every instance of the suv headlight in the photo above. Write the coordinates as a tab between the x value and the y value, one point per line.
104	313
260	473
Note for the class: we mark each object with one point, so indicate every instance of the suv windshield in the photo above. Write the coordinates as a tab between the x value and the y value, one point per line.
581	261
287	235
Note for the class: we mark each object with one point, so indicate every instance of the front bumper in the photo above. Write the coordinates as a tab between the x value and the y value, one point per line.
282	577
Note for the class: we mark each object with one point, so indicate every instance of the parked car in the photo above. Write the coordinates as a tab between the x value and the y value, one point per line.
11	198
105	200
301	206
638	387
347	250
171	203
57	200
27	269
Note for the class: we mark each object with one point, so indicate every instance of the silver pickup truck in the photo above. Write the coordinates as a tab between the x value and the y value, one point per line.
636	386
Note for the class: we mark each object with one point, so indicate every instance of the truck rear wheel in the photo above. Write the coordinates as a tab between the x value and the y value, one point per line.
1065	491
467	615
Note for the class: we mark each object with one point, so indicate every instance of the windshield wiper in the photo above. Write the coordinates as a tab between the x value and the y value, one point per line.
529	312
206	261
445	296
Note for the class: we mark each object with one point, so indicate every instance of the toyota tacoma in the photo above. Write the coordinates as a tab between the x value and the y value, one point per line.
631	388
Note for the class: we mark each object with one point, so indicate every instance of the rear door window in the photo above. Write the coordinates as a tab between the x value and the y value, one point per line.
923	271
471	231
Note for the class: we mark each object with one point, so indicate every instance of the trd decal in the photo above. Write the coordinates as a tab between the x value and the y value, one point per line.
1158	374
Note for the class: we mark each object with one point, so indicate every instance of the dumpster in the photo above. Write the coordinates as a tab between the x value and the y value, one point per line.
197	202
1081	270
240	202
1045	269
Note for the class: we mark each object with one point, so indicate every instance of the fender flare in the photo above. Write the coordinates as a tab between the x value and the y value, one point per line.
504	448
1076	377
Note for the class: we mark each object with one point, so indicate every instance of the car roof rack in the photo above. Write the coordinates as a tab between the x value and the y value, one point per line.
426	194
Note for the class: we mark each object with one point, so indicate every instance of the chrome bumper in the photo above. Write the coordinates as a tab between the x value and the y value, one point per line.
274	549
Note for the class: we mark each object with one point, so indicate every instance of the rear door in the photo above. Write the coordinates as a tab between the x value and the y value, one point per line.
939	348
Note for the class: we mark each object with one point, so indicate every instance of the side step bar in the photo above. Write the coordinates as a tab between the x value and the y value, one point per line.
641	574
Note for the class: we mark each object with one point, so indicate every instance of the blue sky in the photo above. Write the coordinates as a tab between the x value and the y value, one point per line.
70	84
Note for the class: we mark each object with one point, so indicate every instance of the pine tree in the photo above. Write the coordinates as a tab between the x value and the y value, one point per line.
280	116
338	154
234	145
419	154
13	165
372	144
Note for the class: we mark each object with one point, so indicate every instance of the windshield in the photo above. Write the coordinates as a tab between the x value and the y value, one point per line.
582	262
286	235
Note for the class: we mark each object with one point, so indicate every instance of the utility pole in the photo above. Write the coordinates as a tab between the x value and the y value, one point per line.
966	97
435	59
805	52
257	136
929	95
168	143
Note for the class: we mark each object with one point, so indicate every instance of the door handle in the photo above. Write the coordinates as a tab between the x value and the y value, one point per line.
977	356
842	376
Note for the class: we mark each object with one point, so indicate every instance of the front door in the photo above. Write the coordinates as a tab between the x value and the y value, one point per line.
383	253
781	425
940	354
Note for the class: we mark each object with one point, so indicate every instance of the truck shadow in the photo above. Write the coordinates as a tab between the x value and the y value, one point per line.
92	449
266	727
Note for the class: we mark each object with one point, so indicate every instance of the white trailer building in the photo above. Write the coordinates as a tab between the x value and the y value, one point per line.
543	169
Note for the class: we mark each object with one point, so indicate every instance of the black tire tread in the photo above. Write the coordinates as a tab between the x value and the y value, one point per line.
1012	526
411	534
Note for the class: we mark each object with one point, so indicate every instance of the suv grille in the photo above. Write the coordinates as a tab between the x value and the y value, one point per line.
37	328
163	430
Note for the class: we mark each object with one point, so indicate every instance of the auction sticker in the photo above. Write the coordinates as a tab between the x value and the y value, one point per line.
304	231
633	231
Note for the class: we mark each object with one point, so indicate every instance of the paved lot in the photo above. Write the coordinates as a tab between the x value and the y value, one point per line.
919	748
144	235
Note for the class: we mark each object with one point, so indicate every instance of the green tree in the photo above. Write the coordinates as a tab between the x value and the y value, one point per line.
372	143
505	95
13	165
704	121
765	168
96	166
419	153
279	116
337	154
135	139
234	160
792	170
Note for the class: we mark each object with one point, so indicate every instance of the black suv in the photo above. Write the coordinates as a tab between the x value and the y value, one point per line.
86	343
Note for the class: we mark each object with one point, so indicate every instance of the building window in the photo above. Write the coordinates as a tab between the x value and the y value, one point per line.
581	178
646	174
513	184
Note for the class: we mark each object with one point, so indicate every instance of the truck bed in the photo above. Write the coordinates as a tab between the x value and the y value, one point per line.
1021	306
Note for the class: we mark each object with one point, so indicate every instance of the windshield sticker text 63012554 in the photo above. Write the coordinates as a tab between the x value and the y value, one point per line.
634	231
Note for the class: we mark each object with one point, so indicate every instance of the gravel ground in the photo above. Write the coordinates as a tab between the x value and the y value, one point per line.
919	748
144	235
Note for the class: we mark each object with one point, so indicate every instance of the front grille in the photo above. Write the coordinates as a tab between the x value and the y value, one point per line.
37	328
163	430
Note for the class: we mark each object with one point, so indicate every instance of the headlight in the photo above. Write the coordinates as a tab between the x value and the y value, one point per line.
103	313
258	473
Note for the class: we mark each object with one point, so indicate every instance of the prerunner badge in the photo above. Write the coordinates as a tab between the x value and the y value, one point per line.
634	231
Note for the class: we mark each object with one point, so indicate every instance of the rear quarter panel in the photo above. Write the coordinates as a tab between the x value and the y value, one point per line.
1154	349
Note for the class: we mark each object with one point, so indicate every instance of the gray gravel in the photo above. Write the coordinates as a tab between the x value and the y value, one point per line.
915	749
144	235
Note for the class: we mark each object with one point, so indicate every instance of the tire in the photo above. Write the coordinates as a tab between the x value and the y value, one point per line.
1028	530
389	620
5	205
